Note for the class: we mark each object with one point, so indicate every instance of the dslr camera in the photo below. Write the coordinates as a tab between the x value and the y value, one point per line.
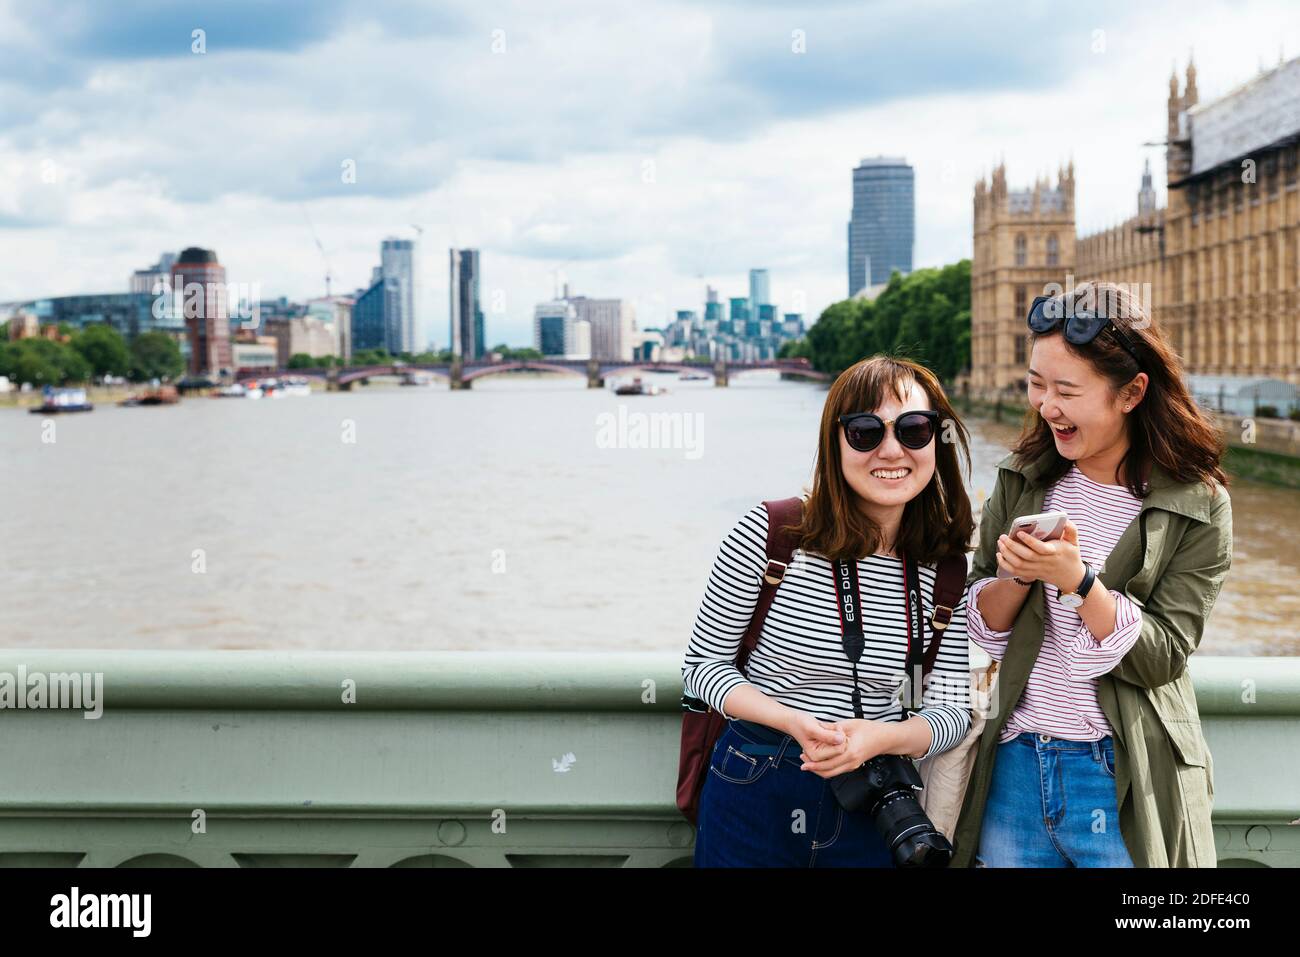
885	787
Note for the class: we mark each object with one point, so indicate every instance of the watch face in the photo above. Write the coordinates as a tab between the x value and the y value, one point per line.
1070	600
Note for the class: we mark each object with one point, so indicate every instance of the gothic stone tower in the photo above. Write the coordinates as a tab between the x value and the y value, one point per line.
1024	243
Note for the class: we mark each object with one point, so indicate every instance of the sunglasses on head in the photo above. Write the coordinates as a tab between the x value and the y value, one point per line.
1080	327
865	430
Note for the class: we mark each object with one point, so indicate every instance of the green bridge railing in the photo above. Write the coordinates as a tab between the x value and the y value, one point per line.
453	759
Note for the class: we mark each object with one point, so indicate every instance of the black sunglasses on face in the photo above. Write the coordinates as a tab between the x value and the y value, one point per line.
1081	327
865	430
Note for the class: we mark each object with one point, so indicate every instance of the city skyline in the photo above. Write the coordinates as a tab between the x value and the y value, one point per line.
751	168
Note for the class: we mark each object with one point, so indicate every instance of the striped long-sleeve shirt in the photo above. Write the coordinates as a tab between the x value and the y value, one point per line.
1060	696
800	659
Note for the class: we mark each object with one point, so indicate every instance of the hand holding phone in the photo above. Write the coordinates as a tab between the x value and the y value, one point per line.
1046	527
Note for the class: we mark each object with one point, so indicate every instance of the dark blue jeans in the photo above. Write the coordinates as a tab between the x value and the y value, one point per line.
758	809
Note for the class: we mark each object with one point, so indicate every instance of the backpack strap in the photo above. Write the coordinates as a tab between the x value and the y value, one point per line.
781	544
949	586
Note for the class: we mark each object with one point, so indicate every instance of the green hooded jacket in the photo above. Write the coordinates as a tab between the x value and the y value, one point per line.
1171	562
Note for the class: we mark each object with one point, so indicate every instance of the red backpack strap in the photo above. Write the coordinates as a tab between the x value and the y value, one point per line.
949	585
781	543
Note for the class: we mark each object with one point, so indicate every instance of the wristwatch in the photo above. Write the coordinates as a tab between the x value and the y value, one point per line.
1073	599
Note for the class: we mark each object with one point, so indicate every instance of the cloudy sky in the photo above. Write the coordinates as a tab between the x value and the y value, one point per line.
636	149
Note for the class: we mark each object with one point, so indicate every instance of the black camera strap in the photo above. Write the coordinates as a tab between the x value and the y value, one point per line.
884	786
849	601
912	682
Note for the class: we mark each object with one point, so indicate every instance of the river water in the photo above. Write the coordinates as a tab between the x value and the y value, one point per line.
523	513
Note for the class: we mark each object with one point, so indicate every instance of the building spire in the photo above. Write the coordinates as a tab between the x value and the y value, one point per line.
1147	194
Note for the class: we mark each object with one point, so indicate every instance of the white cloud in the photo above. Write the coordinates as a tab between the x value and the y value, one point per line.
538	155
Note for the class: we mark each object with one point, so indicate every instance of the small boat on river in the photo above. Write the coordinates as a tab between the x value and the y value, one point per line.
57	401
158	395
637	387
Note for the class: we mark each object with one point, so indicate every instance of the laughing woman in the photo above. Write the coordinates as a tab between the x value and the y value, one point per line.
1095	757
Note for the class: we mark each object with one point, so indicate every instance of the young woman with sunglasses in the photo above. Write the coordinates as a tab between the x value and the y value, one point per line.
884	489
1096	757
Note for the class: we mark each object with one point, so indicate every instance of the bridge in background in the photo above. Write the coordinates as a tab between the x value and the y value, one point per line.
461	375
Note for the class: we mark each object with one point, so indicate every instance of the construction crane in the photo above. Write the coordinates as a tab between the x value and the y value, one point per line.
316	239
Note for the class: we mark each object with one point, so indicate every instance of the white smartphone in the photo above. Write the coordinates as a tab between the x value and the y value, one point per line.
1045	527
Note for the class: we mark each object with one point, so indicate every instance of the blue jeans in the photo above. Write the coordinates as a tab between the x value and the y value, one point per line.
1052	803
758	809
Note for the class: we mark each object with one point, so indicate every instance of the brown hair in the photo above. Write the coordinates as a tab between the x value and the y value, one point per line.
1167	427
935	523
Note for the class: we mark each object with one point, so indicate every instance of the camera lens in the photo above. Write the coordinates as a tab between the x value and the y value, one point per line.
905	828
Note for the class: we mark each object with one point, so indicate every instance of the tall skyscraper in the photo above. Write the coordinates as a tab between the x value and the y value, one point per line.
760	290
200	282
883	222
466	311
397	263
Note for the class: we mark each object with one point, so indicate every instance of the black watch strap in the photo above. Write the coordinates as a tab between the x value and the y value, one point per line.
1089	576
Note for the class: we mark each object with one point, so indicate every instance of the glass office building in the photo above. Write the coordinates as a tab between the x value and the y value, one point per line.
468	340
405	331
370	315
883	223
760	287
130	313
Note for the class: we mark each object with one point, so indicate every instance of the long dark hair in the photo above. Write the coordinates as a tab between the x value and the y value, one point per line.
1167	427
937	522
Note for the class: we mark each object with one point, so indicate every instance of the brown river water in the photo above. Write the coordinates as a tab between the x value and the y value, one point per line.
525	513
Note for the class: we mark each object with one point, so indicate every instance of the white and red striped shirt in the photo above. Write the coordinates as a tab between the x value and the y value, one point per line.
1060	697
